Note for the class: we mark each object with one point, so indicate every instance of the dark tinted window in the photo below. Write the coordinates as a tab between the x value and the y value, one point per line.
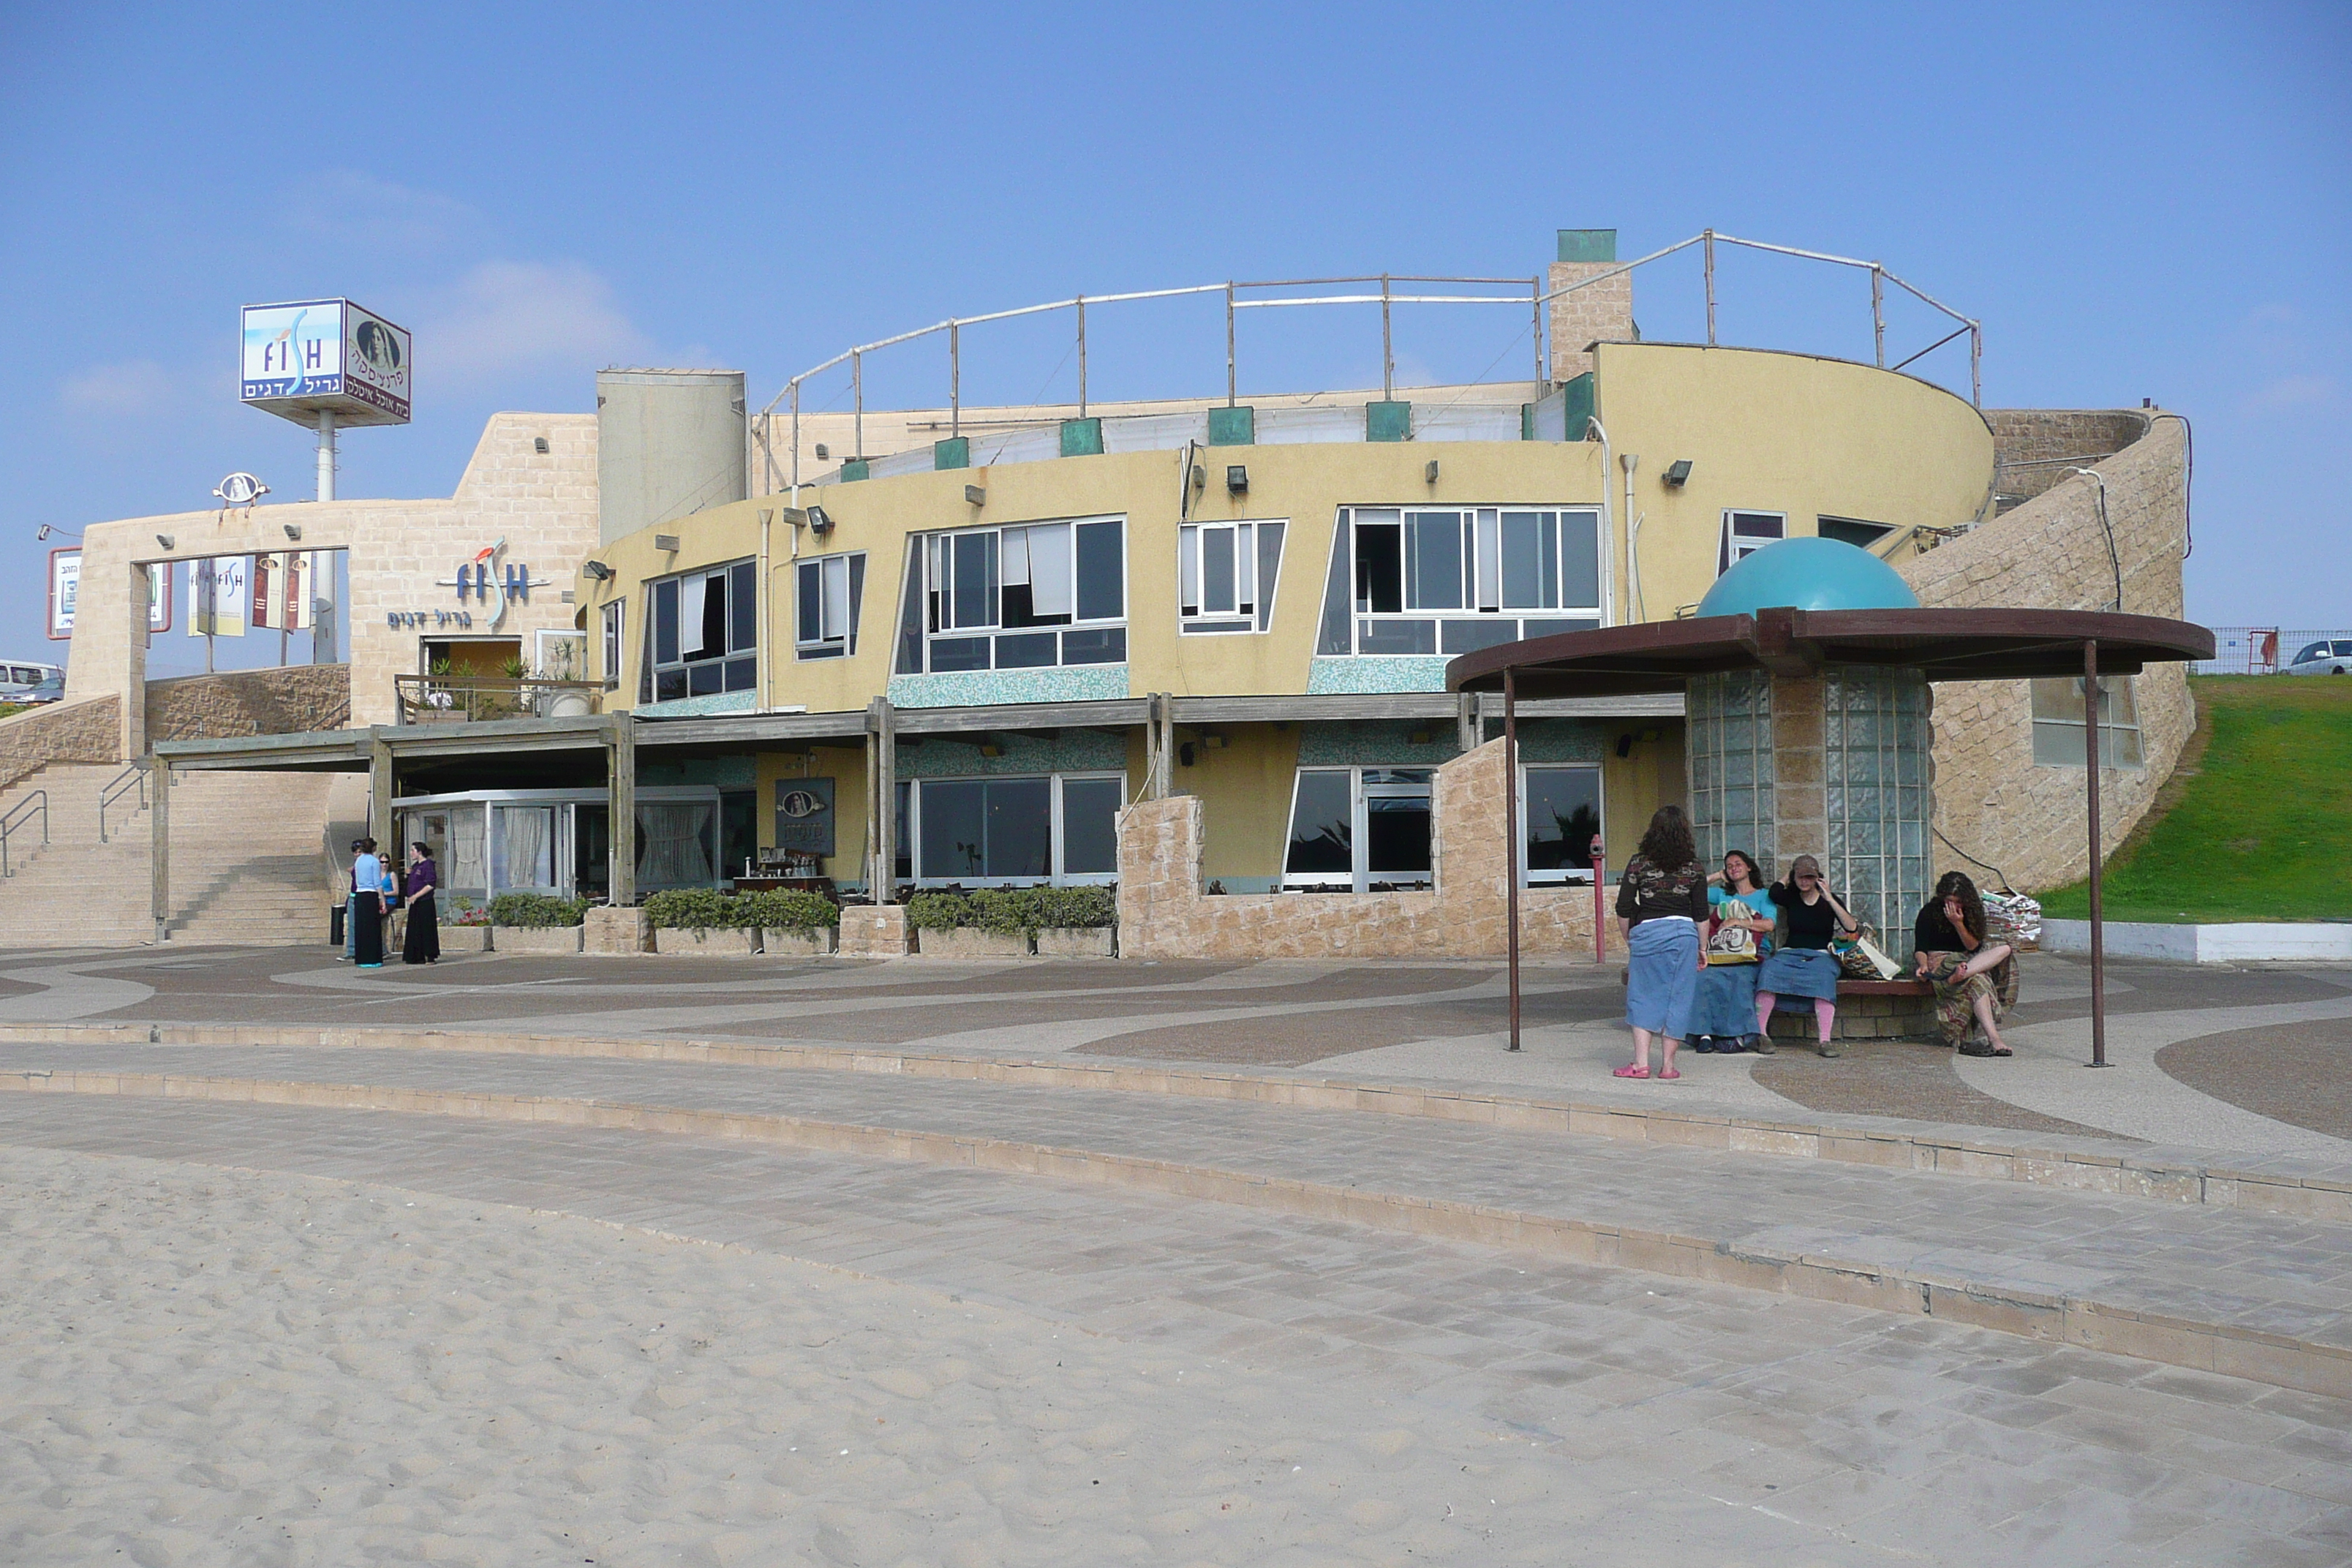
1563	814
1322	837
1090	826
1102	573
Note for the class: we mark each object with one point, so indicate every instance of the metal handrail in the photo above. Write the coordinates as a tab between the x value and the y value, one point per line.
1534	299
19	815
463	699
115	788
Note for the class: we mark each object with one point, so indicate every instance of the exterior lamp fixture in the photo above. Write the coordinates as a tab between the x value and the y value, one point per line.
164	539
539	445
1237	479
1677	473
666	542
1429	474
991	749
820	523
975	495
597	571
49	528
821	453
293	530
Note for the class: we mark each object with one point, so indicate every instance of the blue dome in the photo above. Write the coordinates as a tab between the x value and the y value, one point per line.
1809	574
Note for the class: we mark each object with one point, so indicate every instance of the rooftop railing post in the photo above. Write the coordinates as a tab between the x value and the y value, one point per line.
1976	363
796	443
1082	356
1387	353
1878	311
1232	395
955	379
1535	329
1710	287
2098	923
1511	838
858	382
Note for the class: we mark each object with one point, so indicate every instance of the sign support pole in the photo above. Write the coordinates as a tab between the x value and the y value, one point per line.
326	454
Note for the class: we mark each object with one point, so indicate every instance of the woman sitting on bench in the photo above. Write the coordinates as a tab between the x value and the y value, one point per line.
1801	966
1954	957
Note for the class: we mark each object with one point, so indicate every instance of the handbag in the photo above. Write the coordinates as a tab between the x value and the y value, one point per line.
1732	944
1862	958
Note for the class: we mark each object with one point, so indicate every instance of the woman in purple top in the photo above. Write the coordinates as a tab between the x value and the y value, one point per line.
423	945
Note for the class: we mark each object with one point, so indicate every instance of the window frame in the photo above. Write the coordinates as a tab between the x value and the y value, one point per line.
921	597
854	572
2121	742
1880	531
733	662
1258	618
1482	554
1564	877
612	641
1725	557
1361	794
910	831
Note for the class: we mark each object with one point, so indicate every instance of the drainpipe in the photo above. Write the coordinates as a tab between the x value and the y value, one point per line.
1633	538
767	598
1592	427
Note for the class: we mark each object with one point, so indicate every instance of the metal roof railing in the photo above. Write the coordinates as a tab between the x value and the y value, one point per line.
1533	300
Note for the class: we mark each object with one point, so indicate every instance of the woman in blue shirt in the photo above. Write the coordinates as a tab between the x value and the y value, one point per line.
1723	1018
367	907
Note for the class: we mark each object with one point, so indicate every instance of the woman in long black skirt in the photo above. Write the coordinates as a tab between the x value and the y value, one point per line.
423	944
367	907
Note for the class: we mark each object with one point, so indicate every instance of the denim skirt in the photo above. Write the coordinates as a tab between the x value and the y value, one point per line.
1662	977
1800	972
1727	1001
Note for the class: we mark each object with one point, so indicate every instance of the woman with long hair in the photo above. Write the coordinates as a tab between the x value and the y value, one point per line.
1661	900
1739	936
1952	954
1803	968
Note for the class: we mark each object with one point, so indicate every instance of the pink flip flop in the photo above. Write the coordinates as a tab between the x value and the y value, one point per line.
1670	1074
1632	1071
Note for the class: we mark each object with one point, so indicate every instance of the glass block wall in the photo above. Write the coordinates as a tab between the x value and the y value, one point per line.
1728	729
1880	796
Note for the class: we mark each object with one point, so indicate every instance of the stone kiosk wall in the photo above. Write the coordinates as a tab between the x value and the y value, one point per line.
1164	914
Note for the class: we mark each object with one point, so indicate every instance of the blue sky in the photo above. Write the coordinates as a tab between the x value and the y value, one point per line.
2139	200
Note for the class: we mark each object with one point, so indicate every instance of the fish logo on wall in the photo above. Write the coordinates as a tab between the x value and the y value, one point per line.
482	577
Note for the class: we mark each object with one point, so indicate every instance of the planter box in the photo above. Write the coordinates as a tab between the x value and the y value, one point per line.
793	943
465	939
719	942
966	943
535	939
1078	941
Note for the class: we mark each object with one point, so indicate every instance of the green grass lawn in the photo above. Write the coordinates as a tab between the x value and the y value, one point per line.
2263	831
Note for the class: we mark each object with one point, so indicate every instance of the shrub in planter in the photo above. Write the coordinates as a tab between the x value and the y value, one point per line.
1012	912
534	911
697	909
785	909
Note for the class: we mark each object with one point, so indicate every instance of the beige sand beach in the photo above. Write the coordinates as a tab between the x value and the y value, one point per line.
213	1366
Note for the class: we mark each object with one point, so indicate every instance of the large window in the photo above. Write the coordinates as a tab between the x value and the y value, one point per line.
1562	809
616	615
1015	598
1745	533
702	636
1225	575
1056	827
828	592
1358	830
1852	531
2058	722
1413	581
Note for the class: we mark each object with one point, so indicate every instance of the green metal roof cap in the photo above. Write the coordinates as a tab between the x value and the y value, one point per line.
1809	574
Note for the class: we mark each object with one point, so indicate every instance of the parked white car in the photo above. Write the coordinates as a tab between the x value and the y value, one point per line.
2322	658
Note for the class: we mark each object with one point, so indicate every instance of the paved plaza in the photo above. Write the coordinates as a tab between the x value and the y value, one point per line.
580	1259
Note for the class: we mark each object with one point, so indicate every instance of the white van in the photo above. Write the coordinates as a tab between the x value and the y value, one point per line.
21	680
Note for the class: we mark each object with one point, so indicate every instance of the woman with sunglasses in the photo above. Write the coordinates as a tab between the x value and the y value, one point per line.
1801	967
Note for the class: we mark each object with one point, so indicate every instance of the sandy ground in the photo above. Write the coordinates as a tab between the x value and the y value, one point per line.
211	1367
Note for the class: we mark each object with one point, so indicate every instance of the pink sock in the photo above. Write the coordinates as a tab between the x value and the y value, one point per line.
1764	1013
1824	1010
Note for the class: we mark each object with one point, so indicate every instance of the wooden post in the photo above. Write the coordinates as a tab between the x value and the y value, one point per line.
1469	732
159	773
1511	836
2099	927
380	788
622	811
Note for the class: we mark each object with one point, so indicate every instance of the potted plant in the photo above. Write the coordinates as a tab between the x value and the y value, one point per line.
536	923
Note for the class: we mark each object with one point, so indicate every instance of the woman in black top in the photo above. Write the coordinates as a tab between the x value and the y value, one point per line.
1951	952
1661	900
1801	966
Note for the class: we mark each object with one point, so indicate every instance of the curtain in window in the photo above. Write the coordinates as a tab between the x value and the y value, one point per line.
672	845
525	846
465	868
1048	561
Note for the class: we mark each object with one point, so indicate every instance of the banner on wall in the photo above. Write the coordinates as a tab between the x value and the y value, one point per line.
218	596
281	590
159	597
64	584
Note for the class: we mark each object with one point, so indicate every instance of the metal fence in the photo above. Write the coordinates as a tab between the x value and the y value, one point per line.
2260	650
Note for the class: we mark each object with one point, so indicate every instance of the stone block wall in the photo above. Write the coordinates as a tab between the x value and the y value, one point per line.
2052	552
2033	448
59	732
1162	913
1600	313
284	701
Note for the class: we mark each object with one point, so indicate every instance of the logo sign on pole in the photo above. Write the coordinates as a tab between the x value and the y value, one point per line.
218	596
65	583
312	356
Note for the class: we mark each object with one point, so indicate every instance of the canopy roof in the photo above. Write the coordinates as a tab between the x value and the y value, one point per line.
1946	645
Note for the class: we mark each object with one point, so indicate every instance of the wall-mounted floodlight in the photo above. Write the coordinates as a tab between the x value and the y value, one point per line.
293	530
164	539
539	445
667	543
975	495
821	453
1429	474
597	571
1237	479
1677	473
49	528
820	521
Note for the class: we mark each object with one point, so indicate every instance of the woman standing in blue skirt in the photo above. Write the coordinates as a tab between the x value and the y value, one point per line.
1803	969
1661	900
1724	1018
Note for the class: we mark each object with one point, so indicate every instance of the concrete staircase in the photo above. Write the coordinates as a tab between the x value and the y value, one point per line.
248	862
